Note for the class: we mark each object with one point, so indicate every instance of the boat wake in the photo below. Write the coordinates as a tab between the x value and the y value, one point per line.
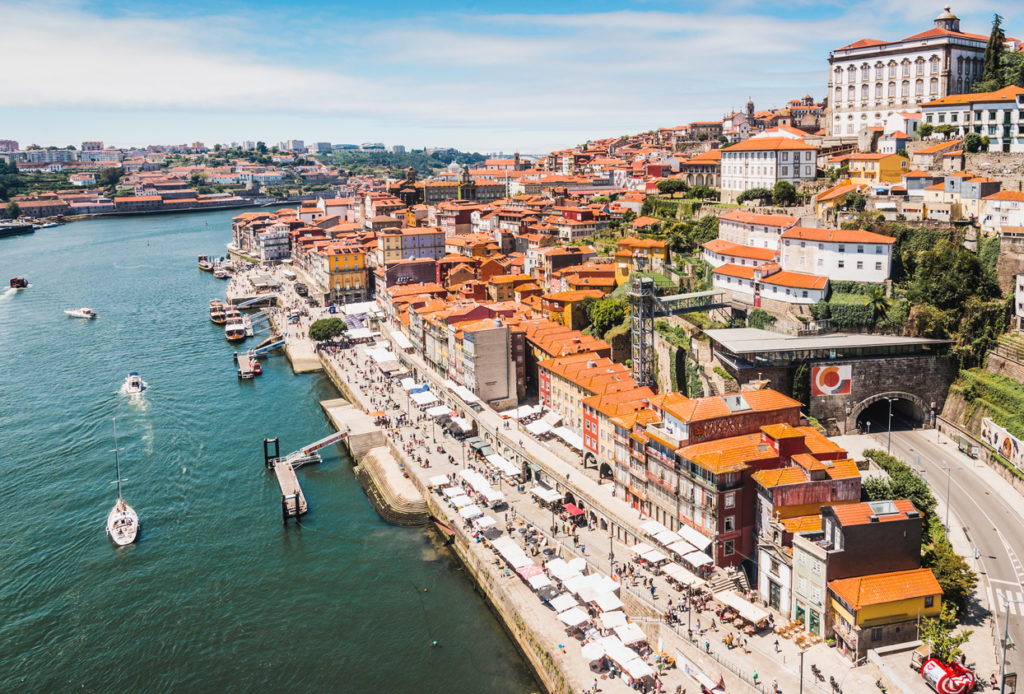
10	291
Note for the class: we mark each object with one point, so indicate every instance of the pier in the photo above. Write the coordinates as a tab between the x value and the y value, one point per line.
293	501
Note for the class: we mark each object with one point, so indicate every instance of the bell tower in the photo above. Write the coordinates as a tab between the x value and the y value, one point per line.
947	20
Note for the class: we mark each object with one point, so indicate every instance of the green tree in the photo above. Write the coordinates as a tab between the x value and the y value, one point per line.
925	130
261	147
13	210
784	193
671	186
600	199
937	632
879	302
945	130
109	177
628	216
703	193
327	329
802	384
855	201
972	142
762	194
994	51
606	314
946	275
951	571
902	151
760	319
704	230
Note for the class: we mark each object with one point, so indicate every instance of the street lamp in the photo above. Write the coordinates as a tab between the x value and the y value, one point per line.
1006	639
948	470
889	444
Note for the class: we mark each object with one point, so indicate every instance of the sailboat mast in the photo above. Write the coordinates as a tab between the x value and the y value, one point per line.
117	463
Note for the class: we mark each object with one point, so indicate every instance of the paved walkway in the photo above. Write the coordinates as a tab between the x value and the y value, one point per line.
422	438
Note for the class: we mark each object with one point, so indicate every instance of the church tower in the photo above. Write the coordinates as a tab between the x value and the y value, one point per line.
948	21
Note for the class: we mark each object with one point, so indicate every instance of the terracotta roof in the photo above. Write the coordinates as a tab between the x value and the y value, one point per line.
779	477
837	192
714	406
836	235
860	514
1006	195
729	454
917	173
802	524
767	220
797	280
864	43
738	250
782	431
939	147
937	32
758	144
879	589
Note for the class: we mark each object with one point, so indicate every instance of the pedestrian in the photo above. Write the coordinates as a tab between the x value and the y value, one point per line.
707	646
776	645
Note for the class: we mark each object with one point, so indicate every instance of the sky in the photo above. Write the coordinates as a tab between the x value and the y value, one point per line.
528	76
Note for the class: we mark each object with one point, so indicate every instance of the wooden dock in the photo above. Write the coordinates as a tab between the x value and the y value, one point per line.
293	501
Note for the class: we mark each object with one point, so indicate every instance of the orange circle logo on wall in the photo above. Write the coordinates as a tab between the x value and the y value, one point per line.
831	380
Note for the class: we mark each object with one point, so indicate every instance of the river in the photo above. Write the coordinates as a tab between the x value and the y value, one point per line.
217	595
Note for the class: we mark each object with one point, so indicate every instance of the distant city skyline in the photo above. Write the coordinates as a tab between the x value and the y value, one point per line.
477	80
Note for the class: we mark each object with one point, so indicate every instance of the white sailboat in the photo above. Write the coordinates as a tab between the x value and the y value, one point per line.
122	521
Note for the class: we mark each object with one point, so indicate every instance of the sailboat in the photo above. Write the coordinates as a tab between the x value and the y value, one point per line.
122	521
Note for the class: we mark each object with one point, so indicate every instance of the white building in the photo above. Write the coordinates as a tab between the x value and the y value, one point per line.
871	80
1018	301
273	244
719	252
995	115
1001	211
752	284
749	229
761	162
848	255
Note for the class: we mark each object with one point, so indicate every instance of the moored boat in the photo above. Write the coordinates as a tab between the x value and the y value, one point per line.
122	521
217	314
234	331
204	263
221	274
18	283
80	312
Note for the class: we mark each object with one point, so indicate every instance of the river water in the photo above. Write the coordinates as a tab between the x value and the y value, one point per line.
217	595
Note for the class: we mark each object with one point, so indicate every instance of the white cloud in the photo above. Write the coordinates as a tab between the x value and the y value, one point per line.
590	74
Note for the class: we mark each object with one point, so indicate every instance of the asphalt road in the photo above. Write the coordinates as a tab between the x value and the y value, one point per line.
994	527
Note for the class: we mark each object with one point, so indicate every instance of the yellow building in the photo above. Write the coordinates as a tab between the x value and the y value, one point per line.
639	254
346	270
829	200
874	168
567	308
881	609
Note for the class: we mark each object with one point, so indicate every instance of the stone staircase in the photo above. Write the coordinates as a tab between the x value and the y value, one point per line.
724	580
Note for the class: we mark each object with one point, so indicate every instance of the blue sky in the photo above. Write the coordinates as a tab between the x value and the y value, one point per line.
529	76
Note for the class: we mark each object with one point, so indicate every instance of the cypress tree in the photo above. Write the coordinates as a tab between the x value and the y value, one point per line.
994	52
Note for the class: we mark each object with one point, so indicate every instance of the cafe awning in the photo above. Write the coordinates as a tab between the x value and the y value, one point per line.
681	575
438	411
667	537
746	609
539	581
545	494
682	548
573	509
630	634
610	620
563	602
573	617
652	527
694	537
538	428
606	602
655	556
698	559
470	512
640	548
592	651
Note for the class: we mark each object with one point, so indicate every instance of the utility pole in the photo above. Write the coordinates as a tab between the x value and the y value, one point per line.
801	671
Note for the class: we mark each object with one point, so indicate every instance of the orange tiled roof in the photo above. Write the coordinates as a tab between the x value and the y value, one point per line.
782	431
836	235
938	147
797	280
879	589
713	406
729	454
757	144
1006	195
1005	94
738	250
837	192
802	524
768	220
860	514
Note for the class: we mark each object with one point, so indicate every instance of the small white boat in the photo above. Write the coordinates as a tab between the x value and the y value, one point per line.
122	521
134	383
221	274
81	312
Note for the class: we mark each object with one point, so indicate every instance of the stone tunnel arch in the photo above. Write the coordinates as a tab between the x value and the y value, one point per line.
605	472
919	407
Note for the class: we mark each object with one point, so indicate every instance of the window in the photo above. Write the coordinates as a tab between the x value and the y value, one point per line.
730	500
860	264
878	266
842	248
892	90
876	634
730	523
864	92
892	70
805	293
842	264
878	250
785	170
729	548
878	72
906	69
864	72
816	568
878	90
929	600
860	249
775	567
920	67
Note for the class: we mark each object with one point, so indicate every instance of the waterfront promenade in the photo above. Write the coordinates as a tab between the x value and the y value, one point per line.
605	550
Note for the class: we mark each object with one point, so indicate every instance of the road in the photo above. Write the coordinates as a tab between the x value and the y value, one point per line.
986	510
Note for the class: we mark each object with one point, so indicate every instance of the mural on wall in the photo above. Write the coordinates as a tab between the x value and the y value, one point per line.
831	379
1003	441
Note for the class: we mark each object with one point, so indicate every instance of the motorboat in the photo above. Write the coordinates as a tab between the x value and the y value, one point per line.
217	314
205	264
134	383
122	521
234	331
81	313
18	283
221	274
257	368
